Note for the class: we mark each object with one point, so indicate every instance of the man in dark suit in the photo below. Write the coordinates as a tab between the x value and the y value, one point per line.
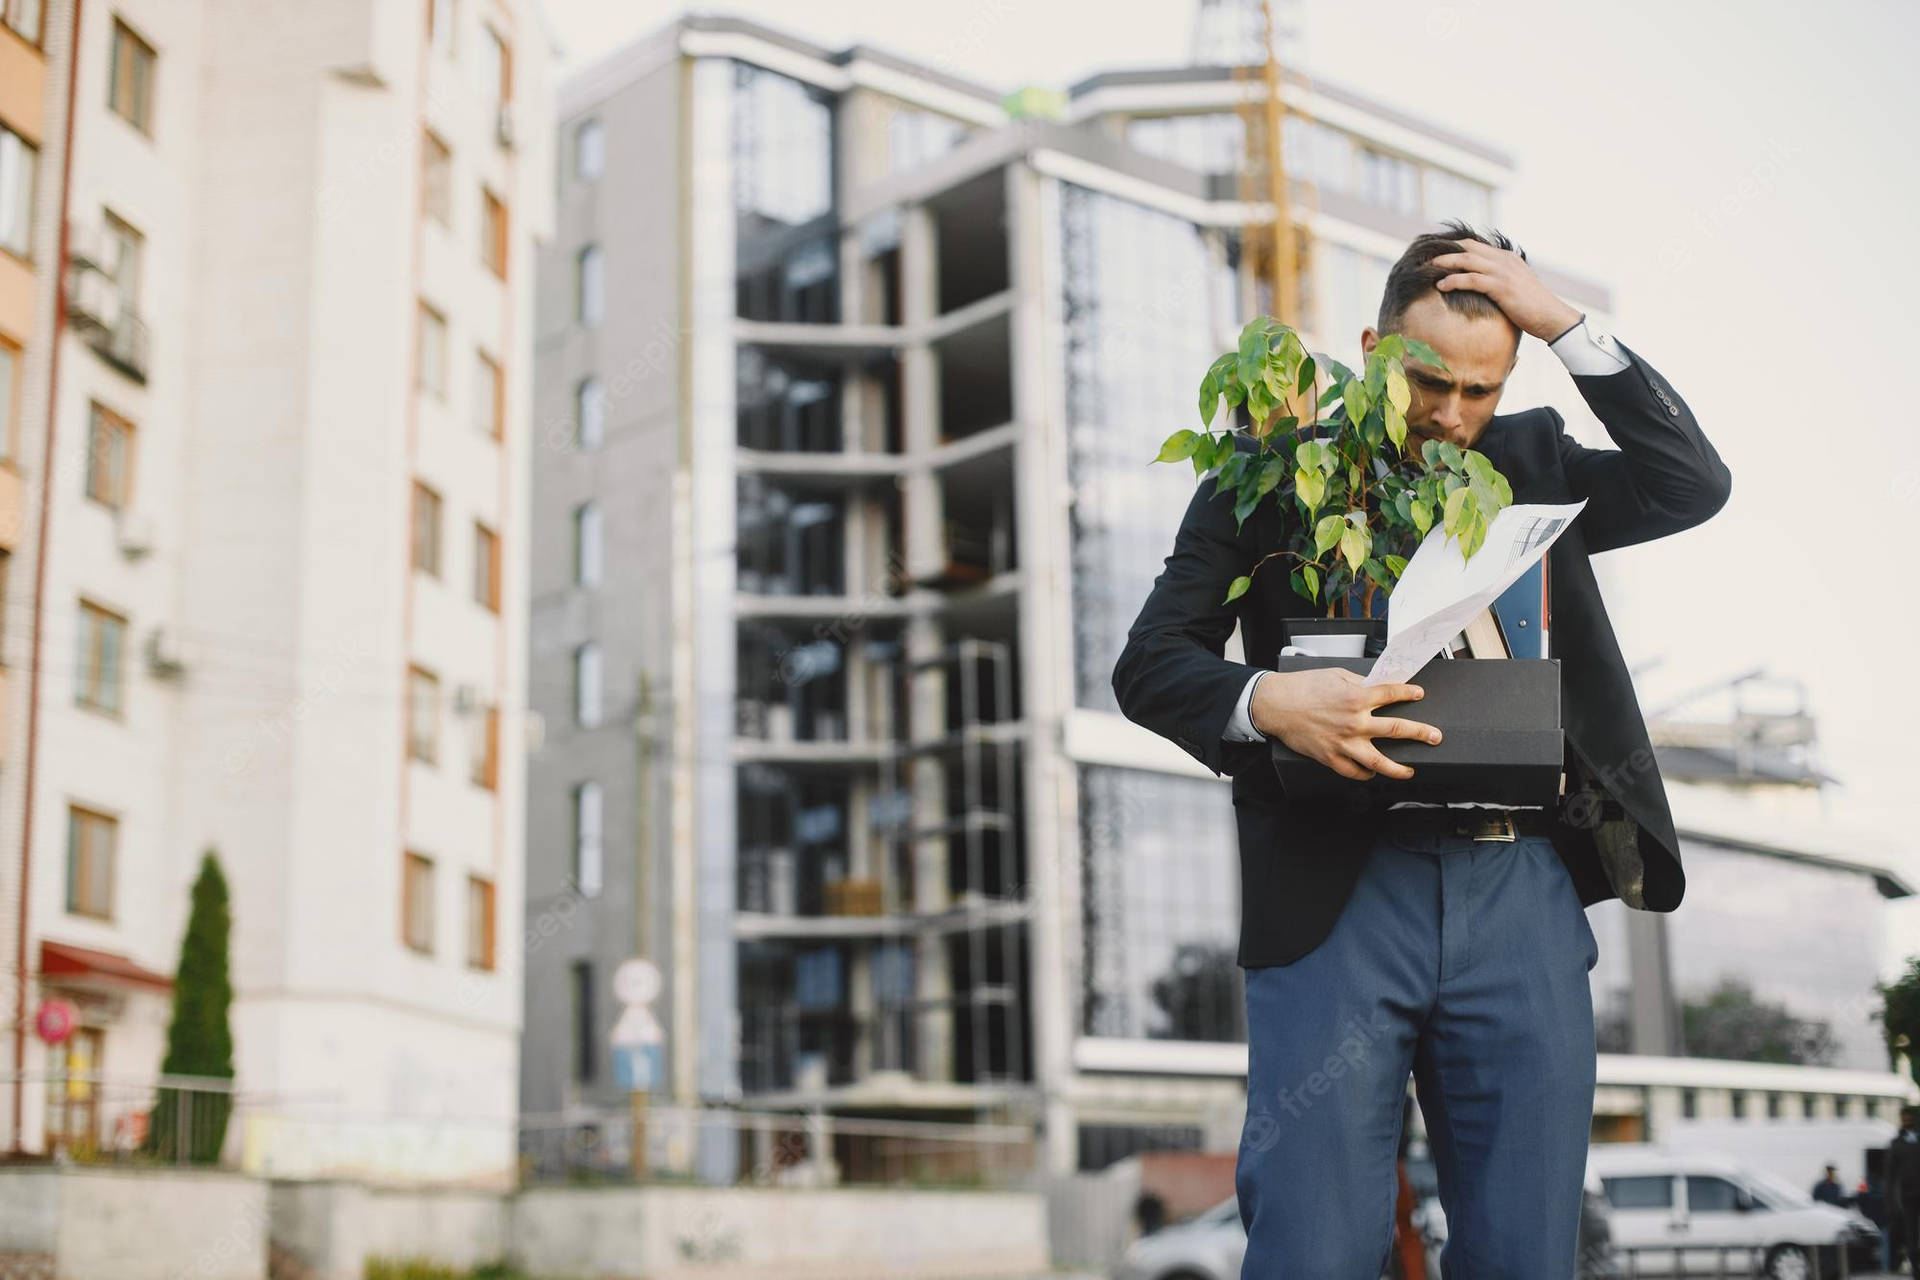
1450	941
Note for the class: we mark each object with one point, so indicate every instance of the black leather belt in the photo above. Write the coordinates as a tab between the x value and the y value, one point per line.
1474	824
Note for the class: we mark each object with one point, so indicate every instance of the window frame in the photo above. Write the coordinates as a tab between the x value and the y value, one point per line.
495	230
429	513
29	193
426	318
581	842
482	914
596	128
581	293
79	818
589	550
485	772
417	898
114	492
420	681
486	554
9	18
585	716
490	392
13	357
90	677
436	193
124	55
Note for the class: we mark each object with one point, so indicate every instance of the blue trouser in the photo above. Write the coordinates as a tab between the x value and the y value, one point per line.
1466	963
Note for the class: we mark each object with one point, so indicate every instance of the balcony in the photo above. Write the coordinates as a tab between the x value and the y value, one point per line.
102	315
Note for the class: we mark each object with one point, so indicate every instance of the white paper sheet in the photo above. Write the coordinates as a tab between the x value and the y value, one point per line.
1441	590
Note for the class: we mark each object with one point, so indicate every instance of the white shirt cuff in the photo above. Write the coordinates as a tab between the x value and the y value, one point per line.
1588	352
1240	727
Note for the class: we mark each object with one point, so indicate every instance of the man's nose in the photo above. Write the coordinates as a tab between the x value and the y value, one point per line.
1446	413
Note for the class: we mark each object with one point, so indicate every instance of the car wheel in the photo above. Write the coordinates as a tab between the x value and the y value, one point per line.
1788	1262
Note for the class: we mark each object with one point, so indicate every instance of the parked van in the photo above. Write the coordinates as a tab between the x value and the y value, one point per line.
1694	1208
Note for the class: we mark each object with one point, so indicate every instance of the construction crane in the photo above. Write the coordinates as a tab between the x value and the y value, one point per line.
1254	38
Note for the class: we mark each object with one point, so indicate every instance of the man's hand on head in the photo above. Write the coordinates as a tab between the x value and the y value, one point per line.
1504	276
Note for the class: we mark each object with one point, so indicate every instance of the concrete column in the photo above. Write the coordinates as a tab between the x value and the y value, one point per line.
1041	495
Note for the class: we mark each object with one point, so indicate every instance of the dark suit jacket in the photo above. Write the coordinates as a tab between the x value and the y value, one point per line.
1298	862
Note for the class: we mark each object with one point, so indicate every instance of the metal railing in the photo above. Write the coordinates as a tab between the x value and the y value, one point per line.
772	1148
1726	1262
89	1118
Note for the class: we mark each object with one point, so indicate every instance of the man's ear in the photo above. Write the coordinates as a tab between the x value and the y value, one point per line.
1368	339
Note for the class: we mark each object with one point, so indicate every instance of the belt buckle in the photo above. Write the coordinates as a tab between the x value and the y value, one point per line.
1492	827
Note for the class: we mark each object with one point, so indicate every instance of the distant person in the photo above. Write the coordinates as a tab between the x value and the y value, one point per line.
1903	1184
1828	1190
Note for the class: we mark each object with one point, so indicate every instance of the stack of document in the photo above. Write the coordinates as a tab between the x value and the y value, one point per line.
1441	594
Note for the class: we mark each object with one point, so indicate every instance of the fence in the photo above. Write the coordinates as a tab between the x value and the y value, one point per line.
774	1148
1733	1262
94	1119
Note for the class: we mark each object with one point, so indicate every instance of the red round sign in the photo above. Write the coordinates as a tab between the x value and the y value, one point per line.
54	1020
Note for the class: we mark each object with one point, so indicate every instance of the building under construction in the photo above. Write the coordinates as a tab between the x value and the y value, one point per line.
850	372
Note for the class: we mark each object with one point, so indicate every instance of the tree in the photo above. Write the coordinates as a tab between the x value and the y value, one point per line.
1201	995
1899	1015
192	1124
1729	1023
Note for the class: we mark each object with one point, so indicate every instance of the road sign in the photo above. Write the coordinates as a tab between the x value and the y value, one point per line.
54	1021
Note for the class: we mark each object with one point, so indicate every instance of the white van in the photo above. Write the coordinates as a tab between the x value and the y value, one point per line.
1695	1207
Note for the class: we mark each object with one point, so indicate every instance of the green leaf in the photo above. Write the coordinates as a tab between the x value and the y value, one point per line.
1479	468
1179	445
1356	400
1209	398
1399	395
1423	517
1355	542
1473	535
1259	402
1398	564
1230	473
1310	486
1244	508
1237	588
1235	394
1458	504
1272	472
1450	454
1425	354
1339	371
1396	426
1390	347
1253	346
1378	572
1304	380
1326	533
1312	576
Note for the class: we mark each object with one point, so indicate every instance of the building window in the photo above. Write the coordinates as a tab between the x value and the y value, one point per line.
589	414
586	685
486	567
489	395
126	248
426	529
589	285
1842	1106
495	70
1388	181
586	839
130	82
586	1039
436	179
443	20
24	17
1773	1104
587	559
18	163
9	399
423	715
1737	1103
479	923
1806	1106
486	750
416	903
432	352
109	458
589	151
103	648
93	843
1689	1103
493	233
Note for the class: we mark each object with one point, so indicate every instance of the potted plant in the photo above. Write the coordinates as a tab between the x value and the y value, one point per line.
1355	506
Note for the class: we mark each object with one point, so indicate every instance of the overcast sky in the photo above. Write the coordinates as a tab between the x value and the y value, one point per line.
1743	178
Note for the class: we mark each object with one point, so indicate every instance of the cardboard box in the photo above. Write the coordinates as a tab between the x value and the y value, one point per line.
1501	738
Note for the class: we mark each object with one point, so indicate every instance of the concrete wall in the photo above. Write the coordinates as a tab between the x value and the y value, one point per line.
331	1228
112	1224
663	1233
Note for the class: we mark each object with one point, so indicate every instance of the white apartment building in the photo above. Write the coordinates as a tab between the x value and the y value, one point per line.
278	508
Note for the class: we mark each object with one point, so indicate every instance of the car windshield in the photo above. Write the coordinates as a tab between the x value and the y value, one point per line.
1777	1191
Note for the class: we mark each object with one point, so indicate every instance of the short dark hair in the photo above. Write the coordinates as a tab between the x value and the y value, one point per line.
1415	276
